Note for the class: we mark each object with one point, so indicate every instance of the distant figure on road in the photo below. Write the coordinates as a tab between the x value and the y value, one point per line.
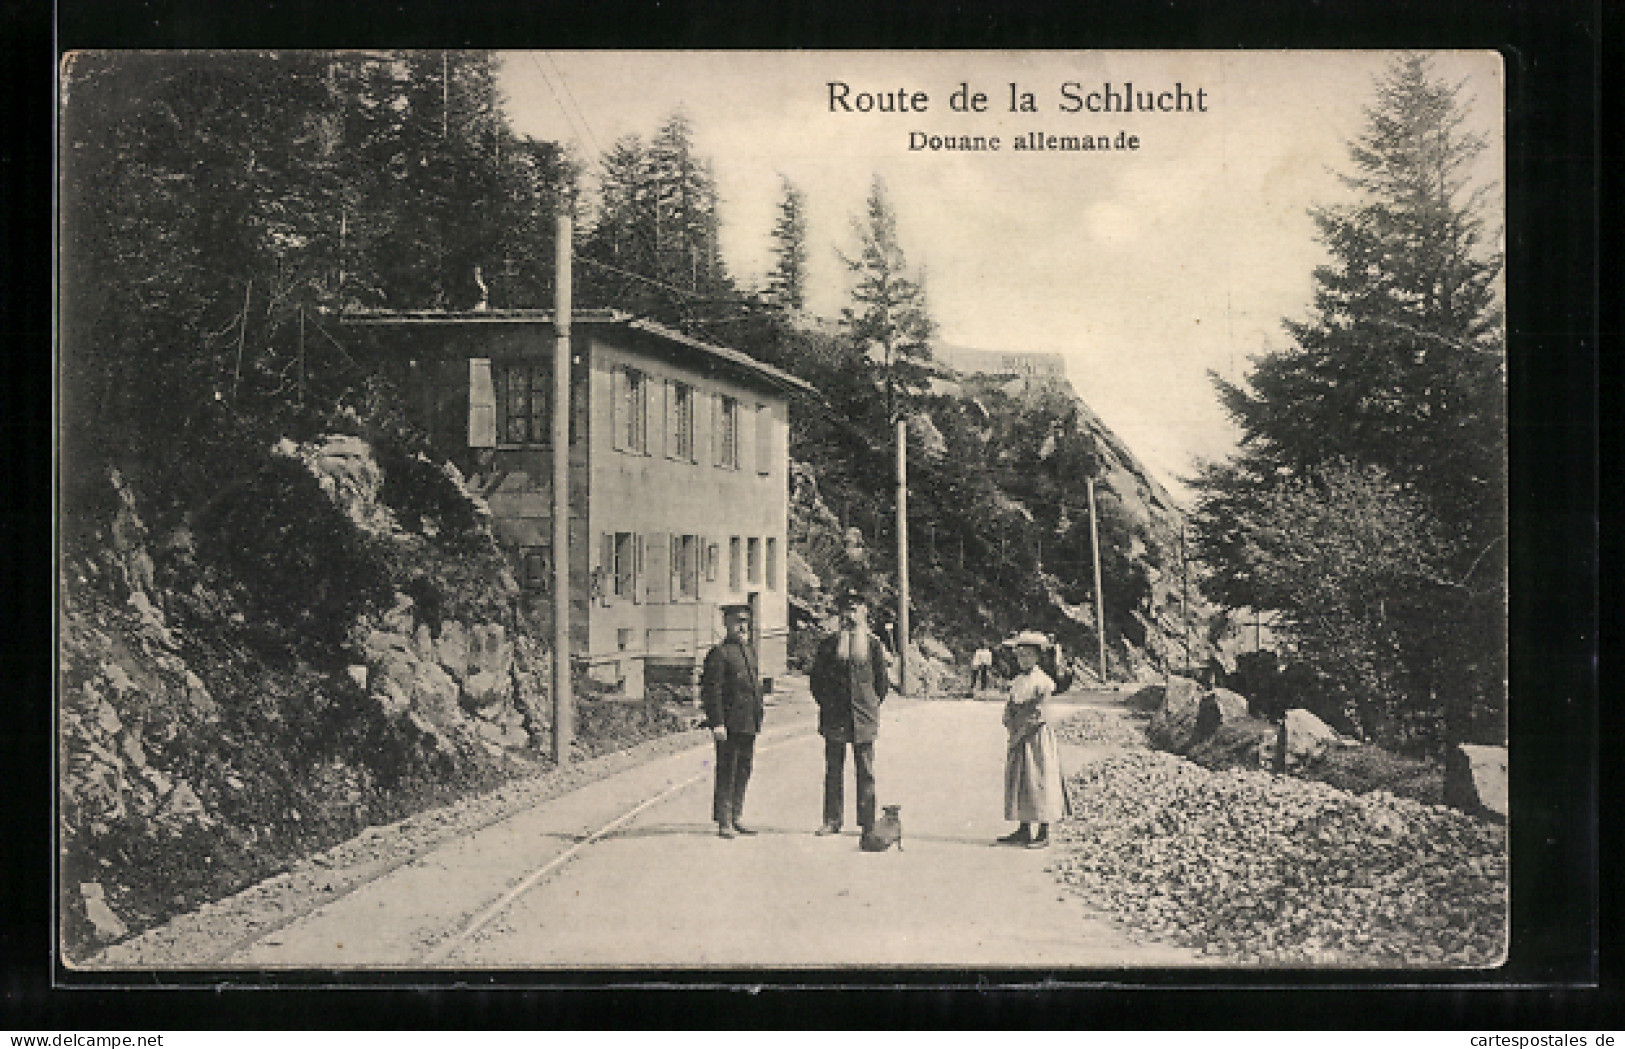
849	681
981	670
731	691
1032	766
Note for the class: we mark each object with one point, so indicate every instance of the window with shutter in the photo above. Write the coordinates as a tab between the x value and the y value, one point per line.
753	560
680	421
524	404
735	563
772	563
625	565
727	433
691	567
606	567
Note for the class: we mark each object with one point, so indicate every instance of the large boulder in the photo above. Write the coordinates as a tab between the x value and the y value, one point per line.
1304	739
1475	779
1173	726
106	925
1219	707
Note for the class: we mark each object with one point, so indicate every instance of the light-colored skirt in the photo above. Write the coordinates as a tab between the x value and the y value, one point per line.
1032	778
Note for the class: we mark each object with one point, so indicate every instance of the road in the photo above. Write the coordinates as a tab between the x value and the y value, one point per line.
628	872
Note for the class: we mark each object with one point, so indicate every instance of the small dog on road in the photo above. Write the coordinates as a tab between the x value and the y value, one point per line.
887	831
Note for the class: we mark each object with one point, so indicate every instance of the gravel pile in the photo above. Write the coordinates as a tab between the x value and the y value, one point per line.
1262	869
1102	727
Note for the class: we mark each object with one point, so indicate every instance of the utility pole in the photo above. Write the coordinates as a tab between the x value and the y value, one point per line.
1100	606
563	707
902	556
1185	595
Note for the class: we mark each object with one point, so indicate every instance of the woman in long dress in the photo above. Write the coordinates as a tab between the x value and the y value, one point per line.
1032	767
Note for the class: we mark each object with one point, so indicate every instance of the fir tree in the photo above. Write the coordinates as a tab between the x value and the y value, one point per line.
786	284
1399	368
888	321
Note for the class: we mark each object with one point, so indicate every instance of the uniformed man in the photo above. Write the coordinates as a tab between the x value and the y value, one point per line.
731	691
849	680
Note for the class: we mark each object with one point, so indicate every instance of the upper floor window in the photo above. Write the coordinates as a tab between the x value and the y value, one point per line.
524	394
728	433
631	411
680	422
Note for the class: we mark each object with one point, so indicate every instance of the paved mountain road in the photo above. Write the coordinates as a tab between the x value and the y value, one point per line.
666	892
627	872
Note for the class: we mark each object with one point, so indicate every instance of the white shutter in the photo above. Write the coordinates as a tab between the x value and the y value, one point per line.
668	440
617	404
764	439
717	445
482	404
639	577
659	565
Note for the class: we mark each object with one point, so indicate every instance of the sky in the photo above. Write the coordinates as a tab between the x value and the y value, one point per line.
1146	269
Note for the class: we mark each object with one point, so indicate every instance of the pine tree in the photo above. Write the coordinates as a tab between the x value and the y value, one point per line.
787	283
1399	368
888	321
656	234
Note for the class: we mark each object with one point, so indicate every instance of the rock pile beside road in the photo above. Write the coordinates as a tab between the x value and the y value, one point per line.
1265	869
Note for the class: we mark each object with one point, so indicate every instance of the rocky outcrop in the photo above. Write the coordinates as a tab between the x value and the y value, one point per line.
1173	725
1304	739
1219	707
1475	779
345	468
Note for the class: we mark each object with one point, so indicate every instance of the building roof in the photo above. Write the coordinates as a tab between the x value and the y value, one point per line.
735	361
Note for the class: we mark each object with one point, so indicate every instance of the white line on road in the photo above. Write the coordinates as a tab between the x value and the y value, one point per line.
447	946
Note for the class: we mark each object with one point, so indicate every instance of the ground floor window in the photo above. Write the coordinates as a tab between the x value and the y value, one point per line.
753	561
685	567
772	563
535	567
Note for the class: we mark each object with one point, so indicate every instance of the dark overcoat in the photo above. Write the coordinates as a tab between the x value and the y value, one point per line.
849	692
731	689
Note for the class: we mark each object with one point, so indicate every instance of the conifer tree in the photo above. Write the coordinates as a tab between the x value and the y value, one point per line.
1398	368
786	284
888	320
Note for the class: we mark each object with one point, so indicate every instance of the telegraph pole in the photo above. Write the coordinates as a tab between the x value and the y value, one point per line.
1185	595
902	556
563	708
1100	606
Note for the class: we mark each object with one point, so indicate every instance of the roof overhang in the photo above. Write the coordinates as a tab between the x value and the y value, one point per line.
733	361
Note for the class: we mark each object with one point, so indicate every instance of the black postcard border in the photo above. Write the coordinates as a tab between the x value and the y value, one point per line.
1552	52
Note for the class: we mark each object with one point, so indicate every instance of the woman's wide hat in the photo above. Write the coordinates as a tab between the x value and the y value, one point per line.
1030	637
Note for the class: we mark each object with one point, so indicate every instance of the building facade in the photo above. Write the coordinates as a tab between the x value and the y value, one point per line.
679	474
